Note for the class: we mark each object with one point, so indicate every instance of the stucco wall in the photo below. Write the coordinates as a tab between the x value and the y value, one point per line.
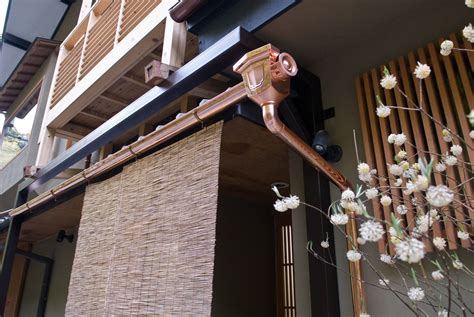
63	255
337	73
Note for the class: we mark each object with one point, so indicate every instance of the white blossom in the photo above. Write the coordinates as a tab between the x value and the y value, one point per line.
385	200
422	71
385	258
398	182
433	213
347	195
470	3
388	81
456	149
325	244
447	137
361	241
365	177
400	139
384	282
280	206
423	223
439	196
292	202
440	167
406	166
439	243
401	155
395	169
450	160
463	235
391	138
468	33
352	206
353	255
410	250
416	294
401	209
371	193
371	231
457	264
437	275
446	47
383	111
339	219
443	313
364	315
363	168
471	134
422	182
470	117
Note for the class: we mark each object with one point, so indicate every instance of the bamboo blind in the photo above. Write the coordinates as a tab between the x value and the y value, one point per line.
147	236
447	94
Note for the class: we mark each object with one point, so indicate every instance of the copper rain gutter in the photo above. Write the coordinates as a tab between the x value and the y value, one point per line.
266	74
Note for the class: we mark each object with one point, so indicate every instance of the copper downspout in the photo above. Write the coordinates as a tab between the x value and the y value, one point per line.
266	75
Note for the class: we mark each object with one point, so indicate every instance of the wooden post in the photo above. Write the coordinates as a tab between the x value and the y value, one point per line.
174	43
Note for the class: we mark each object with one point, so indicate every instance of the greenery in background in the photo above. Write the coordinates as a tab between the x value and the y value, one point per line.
13	143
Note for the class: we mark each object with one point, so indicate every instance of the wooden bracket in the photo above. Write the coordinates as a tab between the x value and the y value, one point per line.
156	72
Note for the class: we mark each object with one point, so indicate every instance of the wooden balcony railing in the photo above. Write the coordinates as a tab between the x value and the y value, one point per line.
108	23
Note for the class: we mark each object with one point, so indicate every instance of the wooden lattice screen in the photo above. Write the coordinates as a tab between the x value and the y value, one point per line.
147	235
285	266
447	94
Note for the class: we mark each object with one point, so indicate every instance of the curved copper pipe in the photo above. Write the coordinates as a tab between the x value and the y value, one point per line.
273	123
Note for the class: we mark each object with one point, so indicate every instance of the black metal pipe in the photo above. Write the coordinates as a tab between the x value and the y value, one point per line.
222	54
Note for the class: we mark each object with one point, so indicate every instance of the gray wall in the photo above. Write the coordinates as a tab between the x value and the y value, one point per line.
63	255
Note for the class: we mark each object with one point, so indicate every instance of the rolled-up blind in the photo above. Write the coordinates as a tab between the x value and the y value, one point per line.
147	235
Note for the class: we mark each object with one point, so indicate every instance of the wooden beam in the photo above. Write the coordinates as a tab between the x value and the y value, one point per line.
94	115
136	81
73	131
141	41
114	99
174	43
